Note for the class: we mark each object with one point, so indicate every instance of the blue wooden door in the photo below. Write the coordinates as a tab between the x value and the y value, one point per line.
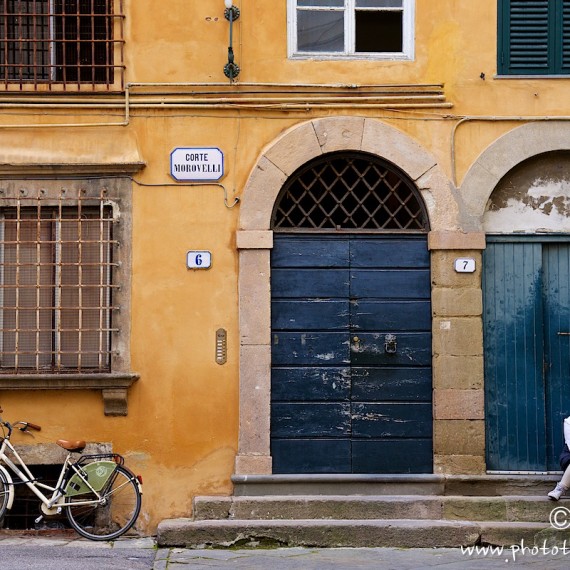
556	346
527	356
343	401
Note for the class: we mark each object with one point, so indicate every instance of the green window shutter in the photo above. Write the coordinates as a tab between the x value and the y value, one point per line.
565	37
534	37
524	37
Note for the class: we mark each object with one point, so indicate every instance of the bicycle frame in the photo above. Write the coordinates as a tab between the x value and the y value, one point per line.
52	503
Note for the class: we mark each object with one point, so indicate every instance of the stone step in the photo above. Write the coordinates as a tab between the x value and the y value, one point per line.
352	533
466	485
423	507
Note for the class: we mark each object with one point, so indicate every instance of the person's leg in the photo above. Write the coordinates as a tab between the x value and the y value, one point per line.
565	481
561	487
566	426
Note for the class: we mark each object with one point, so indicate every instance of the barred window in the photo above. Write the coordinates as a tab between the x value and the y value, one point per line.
69	42
56	268
349	191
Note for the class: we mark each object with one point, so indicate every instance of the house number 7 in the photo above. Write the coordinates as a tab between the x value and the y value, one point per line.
465	265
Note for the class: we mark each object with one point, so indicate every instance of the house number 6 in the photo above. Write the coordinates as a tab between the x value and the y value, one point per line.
198	259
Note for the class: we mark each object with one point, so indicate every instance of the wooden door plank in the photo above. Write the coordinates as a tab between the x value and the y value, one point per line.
412	349
392	456
557	346
310	419
389	252
390	316
513	345
309	252
310	384
311	455
306	283
389	284
310	349
309	315
389	420
391	384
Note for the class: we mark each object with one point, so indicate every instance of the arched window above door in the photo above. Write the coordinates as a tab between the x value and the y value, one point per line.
349	191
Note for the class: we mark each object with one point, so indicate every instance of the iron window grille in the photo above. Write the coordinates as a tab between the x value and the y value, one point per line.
61	42
349	192
57	290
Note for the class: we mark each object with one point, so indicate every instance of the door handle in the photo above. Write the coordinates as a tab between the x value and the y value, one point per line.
390	344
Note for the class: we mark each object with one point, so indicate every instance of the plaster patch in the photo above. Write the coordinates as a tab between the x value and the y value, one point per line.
544	208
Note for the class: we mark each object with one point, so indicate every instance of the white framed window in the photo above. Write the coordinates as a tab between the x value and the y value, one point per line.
351	29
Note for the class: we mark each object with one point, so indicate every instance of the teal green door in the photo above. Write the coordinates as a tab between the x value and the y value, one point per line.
526	289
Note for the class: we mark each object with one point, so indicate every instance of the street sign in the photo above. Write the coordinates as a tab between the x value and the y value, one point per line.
196	163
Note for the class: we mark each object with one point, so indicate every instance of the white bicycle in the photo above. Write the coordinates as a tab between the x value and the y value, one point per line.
100	496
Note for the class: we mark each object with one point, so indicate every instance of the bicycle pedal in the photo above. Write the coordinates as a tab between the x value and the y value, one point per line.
39	519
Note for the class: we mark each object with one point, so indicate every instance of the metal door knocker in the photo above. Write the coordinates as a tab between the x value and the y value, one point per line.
390	344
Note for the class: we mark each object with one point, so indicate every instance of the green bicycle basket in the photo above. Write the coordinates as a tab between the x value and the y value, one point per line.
96	473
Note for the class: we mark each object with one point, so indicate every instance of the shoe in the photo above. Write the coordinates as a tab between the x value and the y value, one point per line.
557	492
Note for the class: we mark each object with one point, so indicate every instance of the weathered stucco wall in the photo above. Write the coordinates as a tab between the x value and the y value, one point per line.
182	428
533	197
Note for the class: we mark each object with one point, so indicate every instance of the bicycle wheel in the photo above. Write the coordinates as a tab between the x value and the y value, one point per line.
112	517
4	496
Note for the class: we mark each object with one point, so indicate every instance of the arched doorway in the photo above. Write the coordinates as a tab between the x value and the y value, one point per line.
351	380
526	289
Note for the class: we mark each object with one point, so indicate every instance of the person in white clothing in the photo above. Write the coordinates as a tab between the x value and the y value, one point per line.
564	483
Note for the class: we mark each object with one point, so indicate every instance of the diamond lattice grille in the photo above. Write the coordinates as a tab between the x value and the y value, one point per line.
352	192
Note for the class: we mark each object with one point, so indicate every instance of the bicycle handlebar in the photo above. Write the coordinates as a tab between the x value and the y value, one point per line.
32	426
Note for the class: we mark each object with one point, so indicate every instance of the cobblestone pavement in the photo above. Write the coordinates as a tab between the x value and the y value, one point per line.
357	558
63	552
60	551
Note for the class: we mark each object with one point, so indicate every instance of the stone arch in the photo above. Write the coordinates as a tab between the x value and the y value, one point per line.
309	140
498	159
277	162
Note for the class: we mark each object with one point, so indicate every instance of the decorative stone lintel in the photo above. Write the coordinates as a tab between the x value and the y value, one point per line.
254	239
114	386
456	240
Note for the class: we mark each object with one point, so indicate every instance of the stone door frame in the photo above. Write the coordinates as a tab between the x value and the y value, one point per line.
280	160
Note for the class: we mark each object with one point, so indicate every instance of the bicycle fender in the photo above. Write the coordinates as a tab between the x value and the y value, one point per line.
8	477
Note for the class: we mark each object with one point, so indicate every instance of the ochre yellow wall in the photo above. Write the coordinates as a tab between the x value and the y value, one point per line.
182	427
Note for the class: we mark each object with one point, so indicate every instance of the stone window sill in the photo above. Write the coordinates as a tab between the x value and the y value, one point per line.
113	386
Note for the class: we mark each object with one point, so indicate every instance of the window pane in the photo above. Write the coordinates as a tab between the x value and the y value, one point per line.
24	24
27	292
84	284
320	31
326	3
379	32
56	288
66	41
379	3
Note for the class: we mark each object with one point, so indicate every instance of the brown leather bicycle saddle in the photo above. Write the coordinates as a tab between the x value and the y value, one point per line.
76	445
